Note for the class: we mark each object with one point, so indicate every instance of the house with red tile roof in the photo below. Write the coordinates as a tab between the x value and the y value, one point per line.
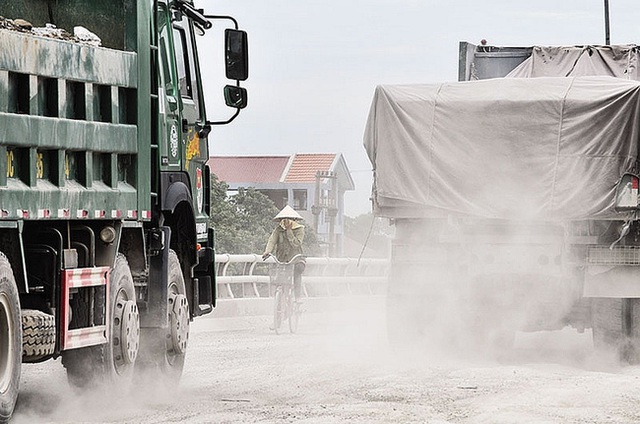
312	183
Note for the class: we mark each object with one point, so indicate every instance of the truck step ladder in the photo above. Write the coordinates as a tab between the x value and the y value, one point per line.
96	332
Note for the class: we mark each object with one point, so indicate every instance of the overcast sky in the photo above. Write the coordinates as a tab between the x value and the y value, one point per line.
314	64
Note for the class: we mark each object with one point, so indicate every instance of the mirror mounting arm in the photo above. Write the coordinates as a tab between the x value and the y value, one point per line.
195	14
220	17
203	129
225	122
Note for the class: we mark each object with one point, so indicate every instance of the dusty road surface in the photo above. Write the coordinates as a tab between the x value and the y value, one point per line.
340	369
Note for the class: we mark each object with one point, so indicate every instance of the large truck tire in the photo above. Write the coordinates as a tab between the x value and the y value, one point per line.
616	327
163	350
38	335
10	340
111	363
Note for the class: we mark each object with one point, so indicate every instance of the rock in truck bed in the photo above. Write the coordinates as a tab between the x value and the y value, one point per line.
538	149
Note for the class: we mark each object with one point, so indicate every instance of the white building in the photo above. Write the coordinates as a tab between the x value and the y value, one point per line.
312	183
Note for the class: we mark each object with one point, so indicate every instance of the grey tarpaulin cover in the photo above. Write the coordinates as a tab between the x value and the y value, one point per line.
509	148
555	61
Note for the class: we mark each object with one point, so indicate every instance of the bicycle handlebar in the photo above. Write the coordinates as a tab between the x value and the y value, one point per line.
297	258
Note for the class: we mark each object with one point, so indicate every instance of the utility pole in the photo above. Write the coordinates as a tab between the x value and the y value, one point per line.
607	40
328	204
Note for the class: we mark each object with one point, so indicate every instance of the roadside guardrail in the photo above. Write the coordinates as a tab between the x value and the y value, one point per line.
247	276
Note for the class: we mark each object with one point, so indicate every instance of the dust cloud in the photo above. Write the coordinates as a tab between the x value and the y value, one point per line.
45	396
474	324
479	288
339	367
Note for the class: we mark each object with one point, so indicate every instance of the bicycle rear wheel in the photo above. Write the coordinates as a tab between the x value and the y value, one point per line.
278	309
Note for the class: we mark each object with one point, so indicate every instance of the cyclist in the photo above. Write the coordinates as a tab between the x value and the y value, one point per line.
286	241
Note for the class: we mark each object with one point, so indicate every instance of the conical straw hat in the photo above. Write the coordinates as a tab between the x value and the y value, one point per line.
287	212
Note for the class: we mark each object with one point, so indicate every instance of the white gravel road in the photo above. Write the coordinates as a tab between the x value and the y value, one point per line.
340	369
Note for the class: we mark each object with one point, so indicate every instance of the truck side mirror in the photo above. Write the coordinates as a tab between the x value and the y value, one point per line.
237	54
235	96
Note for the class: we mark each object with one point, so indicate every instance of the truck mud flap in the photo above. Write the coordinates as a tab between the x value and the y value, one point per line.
156	308
204	293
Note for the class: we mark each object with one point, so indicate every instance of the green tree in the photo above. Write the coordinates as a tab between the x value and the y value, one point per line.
254	220
310	245
222	216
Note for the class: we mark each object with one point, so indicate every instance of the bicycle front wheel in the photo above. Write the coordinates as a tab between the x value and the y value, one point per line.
294	315
278	309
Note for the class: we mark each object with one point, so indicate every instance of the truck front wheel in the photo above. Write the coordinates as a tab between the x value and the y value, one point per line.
113	362
10	340
163	350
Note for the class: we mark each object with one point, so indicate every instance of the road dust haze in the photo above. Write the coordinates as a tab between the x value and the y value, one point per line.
46	396
473	329
340	367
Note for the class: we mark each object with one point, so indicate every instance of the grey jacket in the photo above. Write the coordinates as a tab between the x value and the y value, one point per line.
285	244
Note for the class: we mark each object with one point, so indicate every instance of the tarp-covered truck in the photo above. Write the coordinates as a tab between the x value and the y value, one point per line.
514	195
105	250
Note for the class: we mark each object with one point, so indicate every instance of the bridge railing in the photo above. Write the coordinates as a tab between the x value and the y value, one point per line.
247	276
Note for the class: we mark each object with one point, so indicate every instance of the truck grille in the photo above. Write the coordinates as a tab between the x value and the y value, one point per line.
623	255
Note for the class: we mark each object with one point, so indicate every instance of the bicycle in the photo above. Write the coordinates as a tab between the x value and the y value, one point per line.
284	305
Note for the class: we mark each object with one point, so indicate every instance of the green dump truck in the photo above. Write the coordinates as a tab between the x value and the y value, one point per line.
105	251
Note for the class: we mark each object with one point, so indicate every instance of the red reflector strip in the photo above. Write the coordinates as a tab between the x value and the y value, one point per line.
634	183
198	178
85	277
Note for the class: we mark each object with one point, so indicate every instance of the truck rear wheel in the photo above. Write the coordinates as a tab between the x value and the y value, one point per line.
616	327
163	350
10	340
112	362
38	335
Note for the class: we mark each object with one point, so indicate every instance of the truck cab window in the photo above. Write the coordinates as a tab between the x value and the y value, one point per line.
186	66
182	63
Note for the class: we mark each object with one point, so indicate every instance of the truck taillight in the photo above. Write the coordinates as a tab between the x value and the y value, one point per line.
627	192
